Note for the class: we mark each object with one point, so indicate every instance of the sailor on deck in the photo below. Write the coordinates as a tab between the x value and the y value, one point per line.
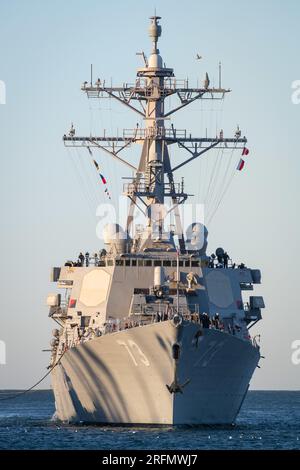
80	259
212	260
205	320
225	259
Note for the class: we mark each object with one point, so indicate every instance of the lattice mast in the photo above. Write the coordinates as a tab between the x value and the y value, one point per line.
153	180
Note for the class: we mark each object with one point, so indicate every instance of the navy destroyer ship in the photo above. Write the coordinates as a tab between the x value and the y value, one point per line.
152	330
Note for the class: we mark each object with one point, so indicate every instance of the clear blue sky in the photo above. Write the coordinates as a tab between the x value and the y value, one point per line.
46	49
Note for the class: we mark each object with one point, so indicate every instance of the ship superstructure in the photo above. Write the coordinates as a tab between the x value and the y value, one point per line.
152	330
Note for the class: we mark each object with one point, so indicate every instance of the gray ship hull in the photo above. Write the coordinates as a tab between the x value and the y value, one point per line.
123	377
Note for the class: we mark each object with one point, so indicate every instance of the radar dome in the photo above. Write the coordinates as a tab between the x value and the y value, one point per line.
116	237
154	29
113	233
155	61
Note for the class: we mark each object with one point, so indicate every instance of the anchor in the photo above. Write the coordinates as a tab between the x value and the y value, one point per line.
175	386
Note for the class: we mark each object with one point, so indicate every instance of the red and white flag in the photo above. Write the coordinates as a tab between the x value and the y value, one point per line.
240	165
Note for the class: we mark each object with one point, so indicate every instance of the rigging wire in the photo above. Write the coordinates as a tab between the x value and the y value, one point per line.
223	195
223	180
93	178
208	169
216	180
110	170
93	193
212	185
200	162
81	183
218	157
209	190
206	163
225	186
112	164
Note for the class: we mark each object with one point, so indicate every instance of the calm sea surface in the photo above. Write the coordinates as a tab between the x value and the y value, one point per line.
268	420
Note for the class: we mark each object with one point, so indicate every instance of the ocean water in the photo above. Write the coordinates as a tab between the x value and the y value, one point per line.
268	420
